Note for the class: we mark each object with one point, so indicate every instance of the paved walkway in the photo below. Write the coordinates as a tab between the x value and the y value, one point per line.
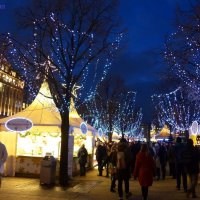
90	187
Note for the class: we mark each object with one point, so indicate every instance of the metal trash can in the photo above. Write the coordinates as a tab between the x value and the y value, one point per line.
48	170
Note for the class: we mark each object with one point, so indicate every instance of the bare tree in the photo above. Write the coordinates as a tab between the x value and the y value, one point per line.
113	108
128	117
175	110
182	48
71	42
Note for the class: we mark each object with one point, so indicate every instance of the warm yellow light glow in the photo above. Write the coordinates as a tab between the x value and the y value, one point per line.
33	145
89	144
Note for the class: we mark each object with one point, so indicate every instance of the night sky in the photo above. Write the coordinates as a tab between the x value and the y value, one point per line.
147	23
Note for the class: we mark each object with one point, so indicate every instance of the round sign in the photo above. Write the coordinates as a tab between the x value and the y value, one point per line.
194	128
18	124
100	132
83	127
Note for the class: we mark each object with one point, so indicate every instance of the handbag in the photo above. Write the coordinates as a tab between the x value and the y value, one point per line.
112	169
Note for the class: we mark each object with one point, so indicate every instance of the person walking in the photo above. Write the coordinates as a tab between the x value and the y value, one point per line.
171	161
134	149
100	157
123	168
113	167
106	159
162	154
180	170
191	163
82	156
157	161
144	170
3	158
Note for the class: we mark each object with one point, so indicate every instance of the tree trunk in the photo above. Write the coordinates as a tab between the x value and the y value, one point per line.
109	137
63	176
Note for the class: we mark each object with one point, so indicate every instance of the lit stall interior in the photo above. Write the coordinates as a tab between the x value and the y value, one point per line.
44	136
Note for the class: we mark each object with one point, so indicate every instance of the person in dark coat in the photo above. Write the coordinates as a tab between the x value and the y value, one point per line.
191	162
171	160
101	155
82	156
106	159
157	161
180	170
162	154
113	167
144	170
134	149
123	168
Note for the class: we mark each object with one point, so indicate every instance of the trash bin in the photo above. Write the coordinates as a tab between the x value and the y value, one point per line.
48	170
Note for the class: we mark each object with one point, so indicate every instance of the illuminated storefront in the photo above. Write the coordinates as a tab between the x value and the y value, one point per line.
194	133
30	146
11	90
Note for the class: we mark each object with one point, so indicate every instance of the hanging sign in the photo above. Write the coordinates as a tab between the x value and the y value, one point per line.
100	132
194	128
18	124
83	128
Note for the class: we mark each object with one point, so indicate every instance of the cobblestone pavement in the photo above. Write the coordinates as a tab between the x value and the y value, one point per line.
90	187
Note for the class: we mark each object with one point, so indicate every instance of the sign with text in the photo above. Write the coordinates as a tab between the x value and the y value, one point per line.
19	124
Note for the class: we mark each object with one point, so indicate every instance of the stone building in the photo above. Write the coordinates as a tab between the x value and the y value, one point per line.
11	90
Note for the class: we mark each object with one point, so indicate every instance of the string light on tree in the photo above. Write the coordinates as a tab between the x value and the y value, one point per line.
114	114
175	110
75	46
182	50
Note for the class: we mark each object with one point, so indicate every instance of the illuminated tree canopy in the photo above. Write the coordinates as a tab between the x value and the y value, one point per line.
182	49
175	110
113	109
71	42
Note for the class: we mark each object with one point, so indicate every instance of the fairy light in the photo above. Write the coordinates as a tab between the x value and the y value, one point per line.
182	51
114	115
174	109
59	61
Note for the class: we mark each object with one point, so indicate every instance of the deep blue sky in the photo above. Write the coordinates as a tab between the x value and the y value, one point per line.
147	22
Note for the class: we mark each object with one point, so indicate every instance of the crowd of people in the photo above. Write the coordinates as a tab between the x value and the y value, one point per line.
147	162
144	162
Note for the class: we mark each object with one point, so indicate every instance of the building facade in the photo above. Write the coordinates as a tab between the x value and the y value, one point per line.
11	90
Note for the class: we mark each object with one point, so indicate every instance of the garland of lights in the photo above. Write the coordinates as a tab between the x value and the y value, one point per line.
127	119
175	110
64	66
117	115
27	133
182	51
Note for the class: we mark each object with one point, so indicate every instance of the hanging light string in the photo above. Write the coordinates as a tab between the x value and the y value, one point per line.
175	110
55	53
118	116
182	51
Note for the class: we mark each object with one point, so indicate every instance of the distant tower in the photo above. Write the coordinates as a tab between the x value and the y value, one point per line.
11	90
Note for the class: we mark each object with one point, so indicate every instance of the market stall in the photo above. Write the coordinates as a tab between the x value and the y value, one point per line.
163	134
27	148
194	133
